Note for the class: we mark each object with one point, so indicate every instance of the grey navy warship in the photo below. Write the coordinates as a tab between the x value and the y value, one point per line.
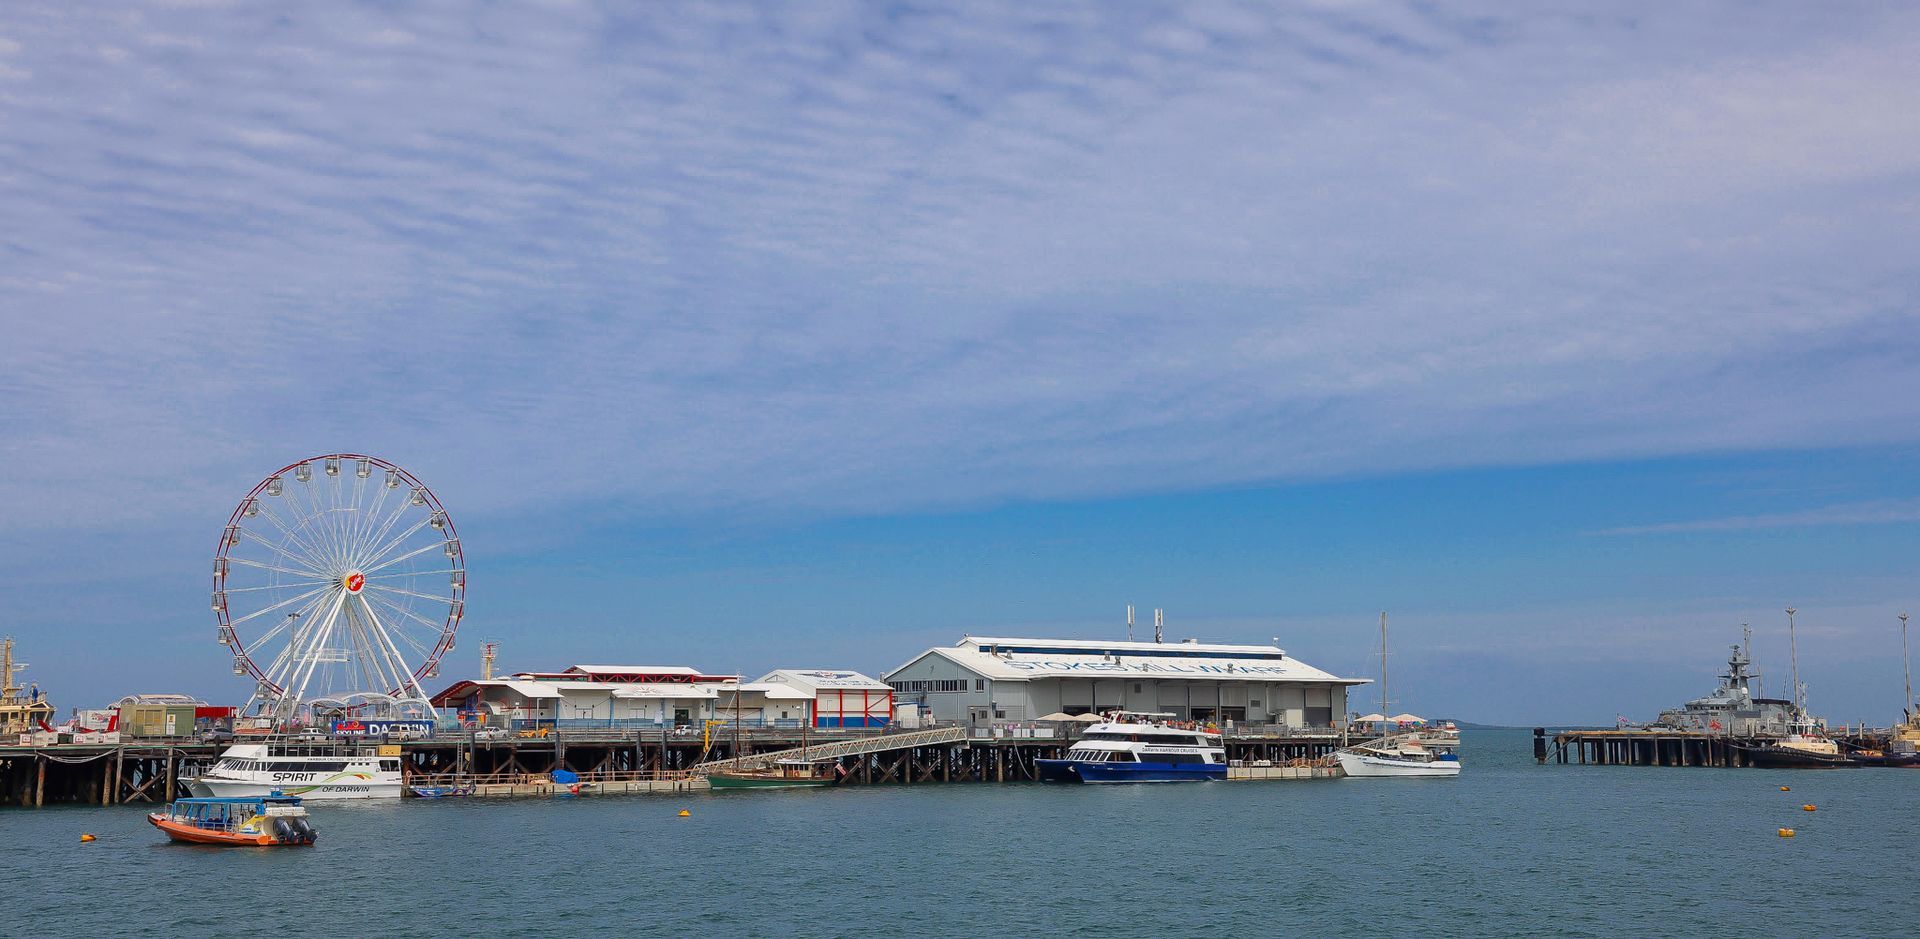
1732	710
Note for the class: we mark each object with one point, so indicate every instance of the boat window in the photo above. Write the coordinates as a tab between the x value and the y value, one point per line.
391	766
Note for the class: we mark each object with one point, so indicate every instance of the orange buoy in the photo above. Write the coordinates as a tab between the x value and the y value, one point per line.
685	814
1807	808
1786	832
86	838
1786	788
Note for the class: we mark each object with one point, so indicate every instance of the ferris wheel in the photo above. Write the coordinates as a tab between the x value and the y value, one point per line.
339	579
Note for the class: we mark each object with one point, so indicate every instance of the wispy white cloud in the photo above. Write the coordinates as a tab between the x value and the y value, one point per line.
1878	512
860	258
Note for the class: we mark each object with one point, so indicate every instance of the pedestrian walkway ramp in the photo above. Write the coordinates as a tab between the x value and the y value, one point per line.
830	751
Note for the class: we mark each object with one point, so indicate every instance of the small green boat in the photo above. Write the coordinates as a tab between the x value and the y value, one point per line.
786	774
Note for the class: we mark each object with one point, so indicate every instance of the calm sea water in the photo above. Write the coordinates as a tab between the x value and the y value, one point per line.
1509	848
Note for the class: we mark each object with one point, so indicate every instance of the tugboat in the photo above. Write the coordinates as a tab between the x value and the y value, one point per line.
1136	746
1804	748
274	820
1805	745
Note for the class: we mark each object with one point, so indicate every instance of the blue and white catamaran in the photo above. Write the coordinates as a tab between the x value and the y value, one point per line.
1133	746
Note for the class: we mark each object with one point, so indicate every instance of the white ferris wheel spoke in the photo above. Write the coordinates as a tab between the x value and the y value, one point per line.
389	588
290	623
427	572
376	557
278	606
248	562
301	583
312	554
364	533
312	519
410	554
386	525
436	629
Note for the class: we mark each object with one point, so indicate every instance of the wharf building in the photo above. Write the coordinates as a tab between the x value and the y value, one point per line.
586	696
978	679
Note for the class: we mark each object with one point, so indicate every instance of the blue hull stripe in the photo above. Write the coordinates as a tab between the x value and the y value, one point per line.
1080	771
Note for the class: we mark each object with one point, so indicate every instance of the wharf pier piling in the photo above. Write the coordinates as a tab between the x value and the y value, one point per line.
1642	746
155	771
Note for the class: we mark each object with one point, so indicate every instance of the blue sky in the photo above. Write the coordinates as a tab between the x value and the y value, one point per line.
1574	335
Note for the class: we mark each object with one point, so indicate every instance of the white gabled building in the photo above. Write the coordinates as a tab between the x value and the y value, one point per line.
825	697
588	695
1023	679
839	698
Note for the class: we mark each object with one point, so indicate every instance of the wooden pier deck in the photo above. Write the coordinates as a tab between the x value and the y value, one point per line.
153	771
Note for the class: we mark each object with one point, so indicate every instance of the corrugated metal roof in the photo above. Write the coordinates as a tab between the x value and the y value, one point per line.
634	670
829	679
525	689
771	689
628	689
534	688
1028	659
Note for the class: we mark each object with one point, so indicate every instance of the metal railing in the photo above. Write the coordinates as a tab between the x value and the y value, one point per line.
588	777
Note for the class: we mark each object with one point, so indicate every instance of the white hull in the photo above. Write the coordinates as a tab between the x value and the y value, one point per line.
1361	765
255	770
325	792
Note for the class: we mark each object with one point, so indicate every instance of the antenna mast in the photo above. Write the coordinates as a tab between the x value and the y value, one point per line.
7	668
488	650
1159	620
1129	622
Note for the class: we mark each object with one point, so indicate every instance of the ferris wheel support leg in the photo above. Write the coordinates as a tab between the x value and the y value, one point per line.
314	648
389	671
409	684
276	672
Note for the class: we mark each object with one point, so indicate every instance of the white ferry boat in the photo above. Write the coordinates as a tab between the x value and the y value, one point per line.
309	771
1139	747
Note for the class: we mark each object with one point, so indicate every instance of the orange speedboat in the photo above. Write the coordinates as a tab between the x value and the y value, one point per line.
236	820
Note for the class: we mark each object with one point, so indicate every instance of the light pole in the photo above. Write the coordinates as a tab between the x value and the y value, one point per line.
1906	663
1793	654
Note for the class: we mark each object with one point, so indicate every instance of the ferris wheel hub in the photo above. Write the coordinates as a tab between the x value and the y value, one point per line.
354	581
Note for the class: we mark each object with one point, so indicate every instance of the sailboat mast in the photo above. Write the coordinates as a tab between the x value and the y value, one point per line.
1383	662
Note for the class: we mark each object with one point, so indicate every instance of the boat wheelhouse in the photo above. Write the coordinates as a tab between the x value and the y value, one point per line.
1133	746
309	770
